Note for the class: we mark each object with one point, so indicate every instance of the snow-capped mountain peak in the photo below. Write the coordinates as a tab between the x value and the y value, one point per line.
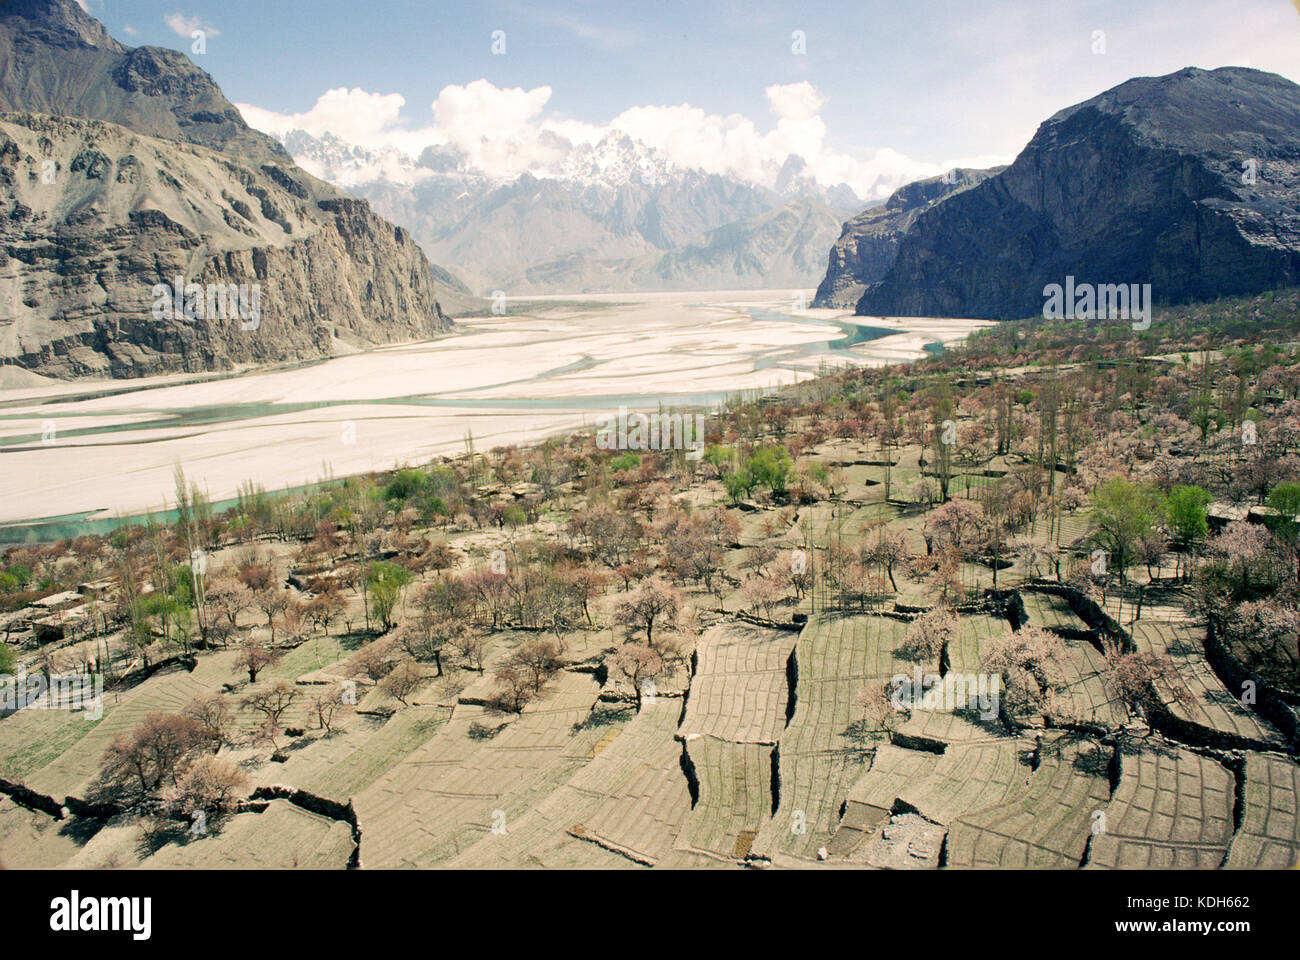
614	161
346	165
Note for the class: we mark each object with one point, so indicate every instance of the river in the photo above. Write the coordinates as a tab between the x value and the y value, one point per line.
78	456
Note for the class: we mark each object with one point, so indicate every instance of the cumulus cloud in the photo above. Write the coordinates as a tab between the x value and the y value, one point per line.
734	144
365	119
504	132
795	101
501	132
184	26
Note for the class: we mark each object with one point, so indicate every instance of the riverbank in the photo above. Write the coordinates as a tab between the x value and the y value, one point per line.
91	452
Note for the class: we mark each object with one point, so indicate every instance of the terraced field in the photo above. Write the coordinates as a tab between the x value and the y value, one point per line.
1083	689
739	703
1212	706
75	767
735	785
34	738
451	790
739	692
818	759
1072	529
1048	826
1052	612
1172	810
637	791
344	771
282	837
1269	836
31	840
965	779
316	654
759	757
967	648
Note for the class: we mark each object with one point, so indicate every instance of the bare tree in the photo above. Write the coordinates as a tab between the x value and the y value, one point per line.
325	608
325	707
515	688
653	603
253	657
890	550
471	648
213	714
402	681
273	602
209	784
536	660
373	661
272	703
154	753
639	663
763	592
227	599
1027	659
425	637
878	710
929	634
1143	682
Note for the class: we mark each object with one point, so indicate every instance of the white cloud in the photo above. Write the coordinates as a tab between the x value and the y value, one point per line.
795	101
734	145
184	26
504	132
500	131
365	119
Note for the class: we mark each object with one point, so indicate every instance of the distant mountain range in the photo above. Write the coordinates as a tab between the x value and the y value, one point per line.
128	173
616	217
1189	182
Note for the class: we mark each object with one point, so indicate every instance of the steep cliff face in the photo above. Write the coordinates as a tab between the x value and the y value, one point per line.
95	216
869	242
55	58
80	257
1189	182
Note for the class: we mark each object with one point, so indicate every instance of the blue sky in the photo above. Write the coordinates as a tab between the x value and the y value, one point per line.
914	86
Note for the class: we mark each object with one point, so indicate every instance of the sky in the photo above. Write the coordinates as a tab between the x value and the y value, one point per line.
869	92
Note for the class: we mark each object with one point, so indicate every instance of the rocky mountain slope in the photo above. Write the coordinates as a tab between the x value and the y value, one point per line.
1189	182
125	169
869	242
614	217
776	248
57	59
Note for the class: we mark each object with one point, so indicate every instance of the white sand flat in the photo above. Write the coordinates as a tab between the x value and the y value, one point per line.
508	379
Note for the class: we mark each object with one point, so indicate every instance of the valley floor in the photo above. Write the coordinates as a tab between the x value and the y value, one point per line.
109	448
